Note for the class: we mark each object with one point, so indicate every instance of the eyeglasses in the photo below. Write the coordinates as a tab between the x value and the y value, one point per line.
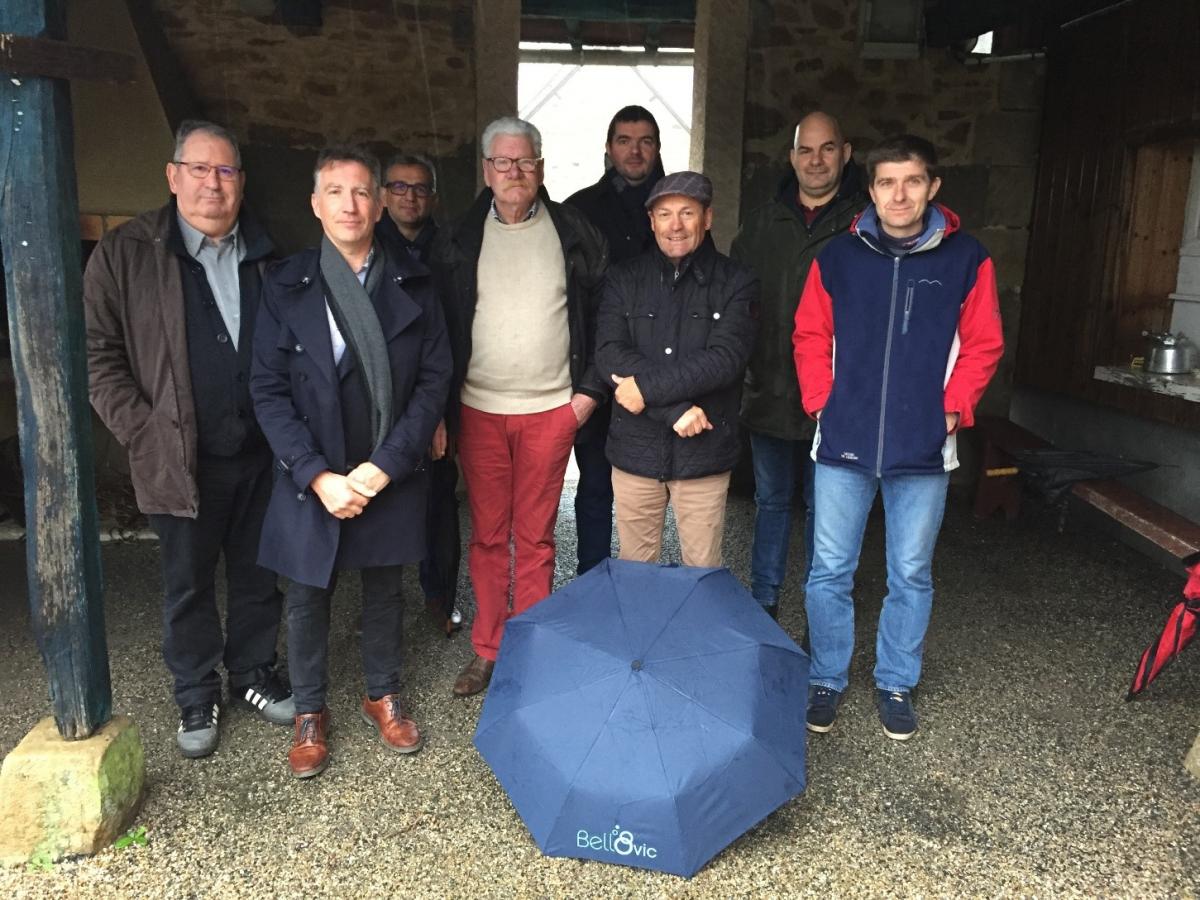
400	188
504	163
200	170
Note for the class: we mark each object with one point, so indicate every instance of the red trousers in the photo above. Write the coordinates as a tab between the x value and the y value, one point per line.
514	467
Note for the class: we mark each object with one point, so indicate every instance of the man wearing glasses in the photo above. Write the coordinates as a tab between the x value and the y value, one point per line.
411	199
171	299
407	227
520	277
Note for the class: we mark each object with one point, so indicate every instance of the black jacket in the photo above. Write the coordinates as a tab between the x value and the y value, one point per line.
626	227
455	259
687	340
389	234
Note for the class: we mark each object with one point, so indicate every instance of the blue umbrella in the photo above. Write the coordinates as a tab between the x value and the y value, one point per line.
646	715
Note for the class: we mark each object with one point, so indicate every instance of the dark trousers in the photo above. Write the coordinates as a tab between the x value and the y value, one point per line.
233	500
443	547
382	636
594	494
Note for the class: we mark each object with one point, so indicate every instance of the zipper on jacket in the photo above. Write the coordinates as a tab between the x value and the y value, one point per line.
887	361
908	303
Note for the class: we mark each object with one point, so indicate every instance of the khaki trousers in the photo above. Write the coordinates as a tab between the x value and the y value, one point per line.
699	505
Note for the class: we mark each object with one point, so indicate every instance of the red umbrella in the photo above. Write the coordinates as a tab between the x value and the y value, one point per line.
1176	634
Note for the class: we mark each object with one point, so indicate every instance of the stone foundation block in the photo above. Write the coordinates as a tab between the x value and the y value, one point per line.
1192	761
63	798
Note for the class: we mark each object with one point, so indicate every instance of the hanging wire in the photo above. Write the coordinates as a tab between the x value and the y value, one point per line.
436	149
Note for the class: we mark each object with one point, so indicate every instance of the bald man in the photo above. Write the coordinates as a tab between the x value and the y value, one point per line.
779	240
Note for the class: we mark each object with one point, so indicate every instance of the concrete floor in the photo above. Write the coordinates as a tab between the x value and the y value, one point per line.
1030	775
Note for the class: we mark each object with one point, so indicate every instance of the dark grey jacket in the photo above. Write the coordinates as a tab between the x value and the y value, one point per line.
687	340
775	242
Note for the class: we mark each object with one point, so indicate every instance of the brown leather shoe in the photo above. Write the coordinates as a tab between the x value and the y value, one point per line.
474	677
395	732
310	753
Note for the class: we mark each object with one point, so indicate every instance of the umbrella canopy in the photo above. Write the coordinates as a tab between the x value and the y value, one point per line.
646	715
1052	472
1176	634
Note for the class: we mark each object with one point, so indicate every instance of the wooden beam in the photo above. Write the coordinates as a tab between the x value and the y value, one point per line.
39	234
21	55
170	81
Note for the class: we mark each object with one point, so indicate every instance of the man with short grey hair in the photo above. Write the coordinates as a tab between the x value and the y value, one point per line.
520	278
171	299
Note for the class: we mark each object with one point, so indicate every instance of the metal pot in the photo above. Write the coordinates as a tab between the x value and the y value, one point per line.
1169	354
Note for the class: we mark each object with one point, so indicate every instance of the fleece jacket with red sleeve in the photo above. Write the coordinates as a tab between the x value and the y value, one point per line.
885	345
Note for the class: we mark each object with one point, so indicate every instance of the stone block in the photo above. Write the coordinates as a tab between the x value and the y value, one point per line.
1008	248
62	798
1008	138
1022	84
964	190
1010	196
1192	761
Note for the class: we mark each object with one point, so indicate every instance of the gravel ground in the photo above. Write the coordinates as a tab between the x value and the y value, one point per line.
1030	775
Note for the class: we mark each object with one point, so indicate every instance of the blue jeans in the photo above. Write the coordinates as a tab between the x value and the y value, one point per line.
913	506
774	486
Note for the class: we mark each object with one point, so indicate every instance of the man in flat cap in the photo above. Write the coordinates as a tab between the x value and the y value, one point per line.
674	336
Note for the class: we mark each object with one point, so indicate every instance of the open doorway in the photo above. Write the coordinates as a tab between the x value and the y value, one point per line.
571	96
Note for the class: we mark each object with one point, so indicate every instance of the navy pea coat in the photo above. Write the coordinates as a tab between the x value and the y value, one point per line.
295	387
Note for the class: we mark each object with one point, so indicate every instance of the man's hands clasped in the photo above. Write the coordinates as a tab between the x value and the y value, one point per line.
346	496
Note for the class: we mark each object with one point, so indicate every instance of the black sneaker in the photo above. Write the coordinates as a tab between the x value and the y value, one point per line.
197	734
897	714
270	697
823	705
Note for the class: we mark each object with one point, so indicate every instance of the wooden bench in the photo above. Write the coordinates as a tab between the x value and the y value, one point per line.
1000	488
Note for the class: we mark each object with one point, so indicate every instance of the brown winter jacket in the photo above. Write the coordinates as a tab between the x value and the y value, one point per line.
139	378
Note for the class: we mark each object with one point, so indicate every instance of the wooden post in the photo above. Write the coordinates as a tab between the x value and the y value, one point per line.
39	235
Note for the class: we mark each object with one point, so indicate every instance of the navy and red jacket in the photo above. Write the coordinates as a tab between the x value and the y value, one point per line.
886	345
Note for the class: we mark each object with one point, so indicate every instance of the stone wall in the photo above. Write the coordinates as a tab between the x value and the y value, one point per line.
386	73
984	120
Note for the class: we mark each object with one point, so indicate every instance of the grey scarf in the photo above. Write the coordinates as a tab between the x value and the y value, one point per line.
356	318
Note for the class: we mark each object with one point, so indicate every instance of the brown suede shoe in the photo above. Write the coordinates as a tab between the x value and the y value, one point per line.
474	677
395	732
310	754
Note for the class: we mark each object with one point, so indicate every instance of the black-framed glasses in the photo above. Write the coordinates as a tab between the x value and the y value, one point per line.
400	188
200	170
504	163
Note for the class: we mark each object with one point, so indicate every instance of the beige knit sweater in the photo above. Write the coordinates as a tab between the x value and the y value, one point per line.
520	344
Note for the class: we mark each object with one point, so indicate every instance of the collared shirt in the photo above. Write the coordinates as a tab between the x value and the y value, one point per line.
529	215
220	258
335	333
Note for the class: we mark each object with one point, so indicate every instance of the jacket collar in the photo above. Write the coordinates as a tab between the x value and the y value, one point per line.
940	222
390	231
468	234
163	227
850	189
698	265
612	183
300	275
